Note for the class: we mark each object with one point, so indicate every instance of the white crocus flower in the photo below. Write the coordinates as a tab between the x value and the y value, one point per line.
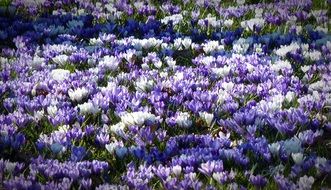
250	67
170	62
320	161
240	2
276	102
88	108
176	18
183	120
144	84
110	62
111	147
186	42
38	114
178	43
207	60
320	85
240	47
78	94
313	55
145	66
228	22
60	74
297	157
37	61
274	148
228	86
60	59
305	183
207	117
96	41
212	46
258	13
284	49
163	74
137	118
177	170
280	65
249	24
289	96
158	64
292	146
221	72
305	68
52	110
63	128
222	96
118	128
10	166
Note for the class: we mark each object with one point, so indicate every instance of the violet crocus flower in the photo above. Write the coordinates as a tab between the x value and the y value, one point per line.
258	181
77	153
209	167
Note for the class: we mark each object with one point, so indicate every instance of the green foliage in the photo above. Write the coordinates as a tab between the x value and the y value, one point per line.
5	3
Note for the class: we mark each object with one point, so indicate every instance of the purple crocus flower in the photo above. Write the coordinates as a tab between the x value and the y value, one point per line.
258	180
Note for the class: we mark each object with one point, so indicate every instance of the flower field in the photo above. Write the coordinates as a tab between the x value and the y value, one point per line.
204	94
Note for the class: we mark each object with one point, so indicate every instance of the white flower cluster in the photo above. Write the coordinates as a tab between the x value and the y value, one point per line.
170	62
207	60
273	104
284	49
60	74
137	118
227	86
221	72
146	43
258	13
180	43
312	55
289	96
109	62
60	48
144	84
60	59
212	46
52	110
210	20
228	22
249	24
78	94
314	96
88	108
118	128
176	18
321	85
240	46
207	117
96	41
222	96
281	65
305	182
37	62
183	119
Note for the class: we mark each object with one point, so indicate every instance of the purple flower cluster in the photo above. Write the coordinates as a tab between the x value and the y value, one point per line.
165	95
